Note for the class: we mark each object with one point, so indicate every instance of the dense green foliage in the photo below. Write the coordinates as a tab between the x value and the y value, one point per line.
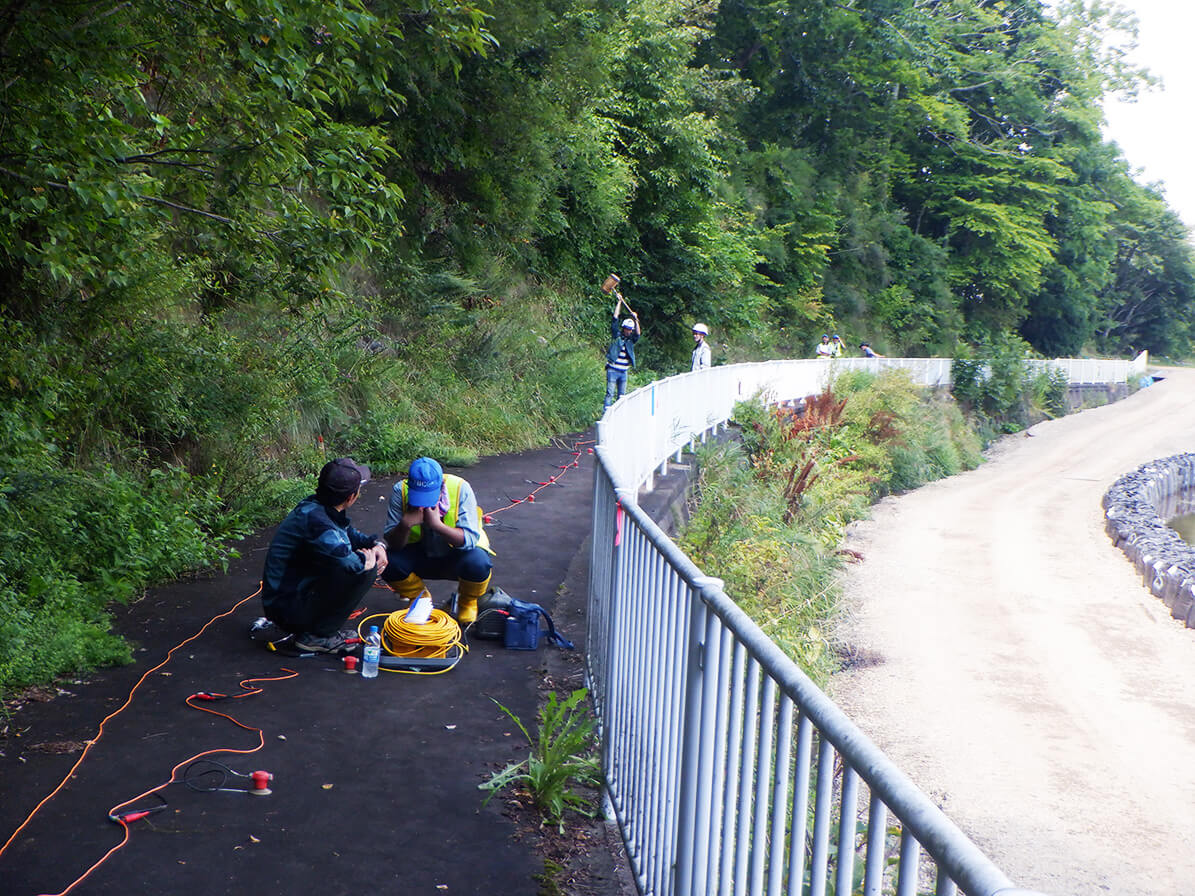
773	506
238	235
1001	392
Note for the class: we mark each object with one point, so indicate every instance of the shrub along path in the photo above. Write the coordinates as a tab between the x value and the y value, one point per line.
375	782
1021	673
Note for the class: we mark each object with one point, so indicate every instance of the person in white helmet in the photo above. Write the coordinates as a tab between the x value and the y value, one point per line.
701	348
620	356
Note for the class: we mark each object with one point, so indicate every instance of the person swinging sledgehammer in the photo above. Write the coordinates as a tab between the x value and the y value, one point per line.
620	355
434	531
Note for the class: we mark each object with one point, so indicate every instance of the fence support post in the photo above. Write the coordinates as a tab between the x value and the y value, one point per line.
692	852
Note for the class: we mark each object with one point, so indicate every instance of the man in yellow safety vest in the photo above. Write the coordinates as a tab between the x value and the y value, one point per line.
434	531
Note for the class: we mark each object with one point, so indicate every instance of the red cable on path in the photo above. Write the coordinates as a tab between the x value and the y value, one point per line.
552	480
124	820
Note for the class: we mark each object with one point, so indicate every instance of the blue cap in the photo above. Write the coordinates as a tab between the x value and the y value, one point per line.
423	483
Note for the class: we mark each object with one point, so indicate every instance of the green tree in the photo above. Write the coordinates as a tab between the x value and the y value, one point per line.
507	153
686	241
196	131
831	85
1150	301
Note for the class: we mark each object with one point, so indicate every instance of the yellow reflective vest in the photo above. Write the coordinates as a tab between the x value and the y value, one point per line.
453	487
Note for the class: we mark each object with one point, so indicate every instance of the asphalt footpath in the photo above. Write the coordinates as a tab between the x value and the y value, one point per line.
374	782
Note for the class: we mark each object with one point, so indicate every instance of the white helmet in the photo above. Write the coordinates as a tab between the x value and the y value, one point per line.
702	329
628	324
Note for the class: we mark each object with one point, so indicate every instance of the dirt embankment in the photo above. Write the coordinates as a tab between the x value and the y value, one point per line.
1025	678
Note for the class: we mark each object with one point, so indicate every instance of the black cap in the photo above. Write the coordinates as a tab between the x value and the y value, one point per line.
340	479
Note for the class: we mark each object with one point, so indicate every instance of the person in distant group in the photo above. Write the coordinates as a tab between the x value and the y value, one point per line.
434	531
701	348
825	348
318	568
839	347
866	349
620	356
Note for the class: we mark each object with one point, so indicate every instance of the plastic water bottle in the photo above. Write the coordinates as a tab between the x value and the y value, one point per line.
372	655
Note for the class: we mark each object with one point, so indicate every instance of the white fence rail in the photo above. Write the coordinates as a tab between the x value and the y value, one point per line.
728	770
642	429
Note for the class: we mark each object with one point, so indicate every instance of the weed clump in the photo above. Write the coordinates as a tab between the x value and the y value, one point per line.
563	757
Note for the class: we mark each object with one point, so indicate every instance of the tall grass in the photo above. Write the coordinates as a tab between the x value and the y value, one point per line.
563	758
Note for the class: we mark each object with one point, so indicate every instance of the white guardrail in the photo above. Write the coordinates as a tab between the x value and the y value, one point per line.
727	769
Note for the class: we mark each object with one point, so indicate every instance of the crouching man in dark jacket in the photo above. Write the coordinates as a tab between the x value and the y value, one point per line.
318	567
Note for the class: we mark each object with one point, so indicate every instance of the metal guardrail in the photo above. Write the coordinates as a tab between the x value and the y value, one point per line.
728	770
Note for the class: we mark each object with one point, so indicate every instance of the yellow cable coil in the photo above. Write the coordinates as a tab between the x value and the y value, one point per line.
433	639
438	638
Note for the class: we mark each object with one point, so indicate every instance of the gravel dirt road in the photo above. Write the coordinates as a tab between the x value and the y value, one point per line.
1023	676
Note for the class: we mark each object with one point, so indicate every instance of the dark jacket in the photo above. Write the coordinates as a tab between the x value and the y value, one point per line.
313	541
620	341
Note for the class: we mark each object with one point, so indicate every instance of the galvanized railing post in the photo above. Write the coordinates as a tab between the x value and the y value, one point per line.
690	854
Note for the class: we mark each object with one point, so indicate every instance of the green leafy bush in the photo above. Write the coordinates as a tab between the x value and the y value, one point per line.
998	386
111	536
910	437
1050	388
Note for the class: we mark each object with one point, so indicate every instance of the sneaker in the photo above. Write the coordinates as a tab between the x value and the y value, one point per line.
335	643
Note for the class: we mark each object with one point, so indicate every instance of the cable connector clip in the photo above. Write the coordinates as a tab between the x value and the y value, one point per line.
127	818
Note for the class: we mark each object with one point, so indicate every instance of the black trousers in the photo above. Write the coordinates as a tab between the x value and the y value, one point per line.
322	607
473	565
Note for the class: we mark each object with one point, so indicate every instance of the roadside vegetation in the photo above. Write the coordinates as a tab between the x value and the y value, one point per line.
239	238
772	505
562	770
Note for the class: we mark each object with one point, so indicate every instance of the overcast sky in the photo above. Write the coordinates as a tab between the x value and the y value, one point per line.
1156	132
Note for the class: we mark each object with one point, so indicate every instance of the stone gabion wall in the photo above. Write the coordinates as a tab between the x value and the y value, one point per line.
1136	509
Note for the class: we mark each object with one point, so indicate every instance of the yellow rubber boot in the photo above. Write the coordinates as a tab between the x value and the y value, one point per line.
467	595
409	588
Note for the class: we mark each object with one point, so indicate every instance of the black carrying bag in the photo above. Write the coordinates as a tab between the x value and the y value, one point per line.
516	623
493	609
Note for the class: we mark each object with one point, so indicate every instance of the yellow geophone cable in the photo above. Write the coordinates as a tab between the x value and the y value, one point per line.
434	639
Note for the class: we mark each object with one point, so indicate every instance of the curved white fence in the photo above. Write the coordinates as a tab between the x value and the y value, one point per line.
644	427
727	769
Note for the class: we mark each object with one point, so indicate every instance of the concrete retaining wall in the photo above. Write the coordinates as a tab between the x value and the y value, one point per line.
1091	395
1136	509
